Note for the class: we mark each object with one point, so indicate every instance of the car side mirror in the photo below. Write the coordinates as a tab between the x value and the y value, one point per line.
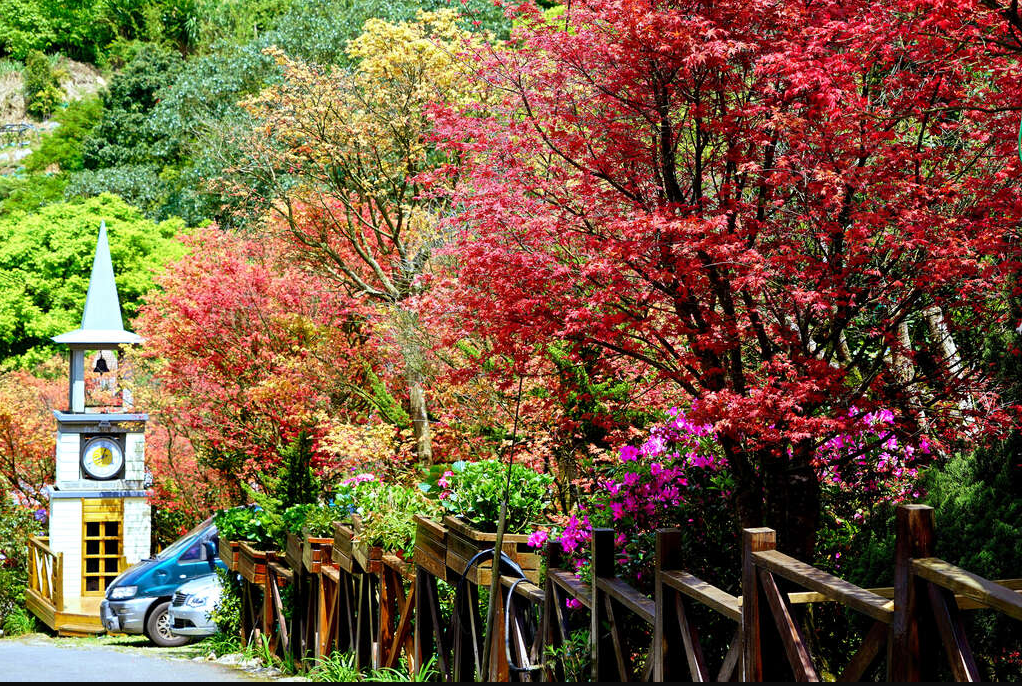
211	553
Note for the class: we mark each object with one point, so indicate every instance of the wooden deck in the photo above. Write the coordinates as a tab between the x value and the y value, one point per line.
45	599
81	620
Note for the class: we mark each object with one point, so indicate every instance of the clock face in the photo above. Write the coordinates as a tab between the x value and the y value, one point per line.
102	458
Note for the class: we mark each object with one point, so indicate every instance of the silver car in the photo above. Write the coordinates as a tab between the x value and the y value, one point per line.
192	603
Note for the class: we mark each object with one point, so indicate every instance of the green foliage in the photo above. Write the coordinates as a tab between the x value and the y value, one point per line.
18	622
249	523
123	136
40	85
64	145
313	519
475	490
46	260
26	194
222	643
387	512
573	656
296	484
340	668
24	26
16	525
336	668
226	614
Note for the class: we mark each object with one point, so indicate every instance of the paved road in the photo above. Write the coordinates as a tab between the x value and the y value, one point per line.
43	660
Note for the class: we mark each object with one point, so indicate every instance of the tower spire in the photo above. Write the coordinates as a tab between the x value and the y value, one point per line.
102	307
101	319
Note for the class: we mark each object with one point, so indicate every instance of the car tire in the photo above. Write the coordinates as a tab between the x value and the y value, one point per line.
157	627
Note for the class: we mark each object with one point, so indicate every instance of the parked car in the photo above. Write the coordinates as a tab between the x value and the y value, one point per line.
192	603
139	600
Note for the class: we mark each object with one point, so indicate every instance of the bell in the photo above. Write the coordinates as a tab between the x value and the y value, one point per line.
101	367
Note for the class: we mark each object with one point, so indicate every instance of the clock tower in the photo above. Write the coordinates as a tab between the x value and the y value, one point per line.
99	512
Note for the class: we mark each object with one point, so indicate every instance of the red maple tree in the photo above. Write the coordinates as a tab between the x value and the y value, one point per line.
783	210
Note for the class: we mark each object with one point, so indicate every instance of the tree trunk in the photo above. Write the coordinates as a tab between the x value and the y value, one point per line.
409	336
418	413
791	500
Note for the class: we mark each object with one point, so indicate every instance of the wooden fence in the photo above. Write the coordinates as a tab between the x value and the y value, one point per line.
387	610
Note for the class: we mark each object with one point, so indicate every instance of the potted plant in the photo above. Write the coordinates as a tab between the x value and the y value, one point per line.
318	536
431	546
308	529
247	536
471	494
384	523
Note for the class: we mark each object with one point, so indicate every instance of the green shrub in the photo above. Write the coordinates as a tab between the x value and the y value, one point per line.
40	86
226	614
313	519
475	490
387	511
249	523
17	523
63	146
18	622
28	193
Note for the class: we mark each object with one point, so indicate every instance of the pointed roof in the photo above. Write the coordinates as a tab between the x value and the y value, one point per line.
101	321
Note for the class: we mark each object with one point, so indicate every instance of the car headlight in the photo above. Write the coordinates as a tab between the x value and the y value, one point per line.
123	592
197	600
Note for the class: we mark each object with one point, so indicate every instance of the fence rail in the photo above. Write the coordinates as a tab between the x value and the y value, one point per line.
388	609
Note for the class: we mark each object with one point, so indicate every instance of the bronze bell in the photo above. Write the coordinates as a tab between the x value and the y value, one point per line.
101	366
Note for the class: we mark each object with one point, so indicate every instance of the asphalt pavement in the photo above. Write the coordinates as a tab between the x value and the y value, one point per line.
35	659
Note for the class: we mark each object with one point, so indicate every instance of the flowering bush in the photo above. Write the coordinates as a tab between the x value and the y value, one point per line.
678	478
675	478
863	473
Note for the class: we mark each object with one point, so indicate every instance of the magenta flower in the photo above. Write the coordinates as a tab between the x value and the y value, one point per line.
537	539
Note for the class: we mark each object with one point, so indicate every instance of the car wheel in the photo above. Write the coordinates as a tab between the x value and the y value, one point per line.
157	627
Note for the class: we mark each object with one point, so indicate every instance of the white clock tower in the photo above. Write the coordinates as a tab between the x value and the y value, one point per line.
99	512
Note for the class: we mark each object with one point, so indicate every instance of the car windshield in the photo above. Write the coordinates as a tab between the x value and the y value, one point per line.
180	544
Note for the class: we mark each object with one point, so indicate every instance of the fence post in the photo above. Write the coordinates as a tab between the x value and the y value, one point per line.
753	541
666	636
600	639
548	630
914	538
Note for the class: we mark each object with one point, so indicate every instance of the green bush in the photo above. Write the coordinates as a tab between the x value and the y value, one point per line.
64	145
18	622
387	511
475	490
40	86
17	523
313	519
226	614
25	194
250	523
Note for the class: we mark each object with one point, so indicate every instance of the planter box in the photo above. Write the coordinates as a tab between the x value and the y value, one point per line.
463	542
315	551
252	563
369	557
293	551
431	546
341	552
229	551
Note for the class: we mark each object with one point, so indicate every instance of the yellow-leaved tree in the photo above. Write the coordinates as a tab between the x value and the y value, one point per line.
336	158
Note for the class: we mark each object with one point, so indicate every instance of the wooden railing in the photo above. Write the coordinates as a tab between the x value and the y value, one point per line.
46	573
394	610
